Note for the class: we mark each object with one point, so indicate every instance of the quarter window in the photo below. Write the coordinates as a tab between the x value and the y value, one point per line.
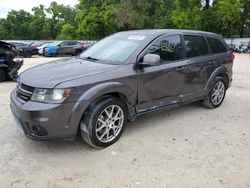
195	46
167	47
216	45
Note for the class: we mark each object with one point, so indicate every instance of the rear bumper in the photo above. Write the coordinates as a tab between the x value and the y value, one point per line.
41	121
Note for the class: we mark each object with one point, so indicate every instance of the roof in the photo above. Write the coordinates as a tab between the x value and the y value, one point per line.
167	31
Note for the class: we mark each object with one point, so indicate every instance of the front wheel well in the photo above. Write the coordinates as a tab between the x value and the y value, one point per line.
118	95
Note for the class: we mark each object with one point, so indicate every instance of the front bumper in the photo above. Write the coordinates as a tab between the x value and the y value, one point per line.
44	121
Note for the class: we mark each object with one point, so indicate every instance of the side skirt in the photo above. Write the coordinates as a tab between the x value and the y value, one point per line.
168	107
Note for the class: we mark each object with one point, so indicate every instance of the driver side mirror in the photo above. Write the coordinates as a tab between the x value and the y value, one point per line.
151	60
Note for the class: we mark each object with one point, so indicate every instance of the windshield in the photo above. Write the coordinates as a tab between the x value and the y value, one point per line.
114	49
55	43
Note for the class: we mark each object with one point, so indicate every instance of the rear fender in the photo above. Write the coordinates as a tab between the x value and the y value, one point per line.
217	72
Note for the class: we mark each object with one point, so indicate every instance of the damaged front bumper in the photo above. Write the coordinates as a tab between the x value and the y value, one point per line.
13	72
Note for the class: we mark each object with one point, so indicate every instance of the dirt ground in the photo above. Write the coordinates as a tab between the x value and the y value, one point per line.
186	147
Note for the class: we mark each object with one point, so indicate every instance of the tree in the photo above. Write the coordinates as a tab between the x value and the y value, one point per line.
37	25
226	17
96	18
67	32
3	32
187	14
244	26
16	25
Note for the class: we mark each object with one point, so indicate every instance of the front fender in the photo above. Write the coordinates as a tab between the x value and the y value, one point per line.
52	49
109	87
92	94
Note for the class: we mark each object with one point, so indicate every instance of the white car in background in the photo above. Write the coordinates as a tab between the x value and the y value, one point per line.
41	48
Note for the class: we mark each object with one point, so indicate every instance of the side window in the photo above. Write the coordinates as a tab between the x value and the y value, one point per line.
167	47
216	45
64	44
195	45
72	43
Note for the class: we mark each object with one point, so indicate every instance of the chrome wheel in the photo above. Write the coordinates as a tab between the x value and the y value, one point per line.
218	93
109	123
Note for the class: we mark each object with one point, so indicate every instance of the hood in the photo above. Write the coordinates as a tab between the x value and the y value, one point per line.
49	75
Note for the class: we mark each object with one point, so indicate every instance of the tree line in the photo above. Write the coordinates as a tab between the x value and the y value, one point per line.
95	19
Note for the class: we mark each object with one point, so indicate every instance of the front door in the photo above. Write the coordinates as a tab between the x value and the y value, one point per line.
63	48
163	85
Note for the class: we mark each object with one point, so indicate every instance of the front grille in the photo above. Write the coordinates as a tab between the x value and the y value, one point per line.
24	92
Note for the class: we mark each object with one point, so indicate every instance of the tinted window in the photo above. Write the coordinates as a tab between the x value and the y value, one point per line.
64	43
195	46
72	43
168	48
216	45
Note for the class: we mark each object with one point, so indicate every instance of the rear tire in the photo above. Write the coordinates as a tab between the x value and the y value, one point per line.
77	52
103	124
3	75
216	94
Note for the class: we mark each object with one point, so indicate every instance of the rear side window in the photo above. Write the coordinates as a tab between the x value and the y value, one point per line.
168	48
195	46
216	45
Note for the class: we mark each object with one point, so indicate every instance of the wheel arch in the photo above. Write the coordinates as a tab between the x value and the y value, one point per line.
98	92
220	71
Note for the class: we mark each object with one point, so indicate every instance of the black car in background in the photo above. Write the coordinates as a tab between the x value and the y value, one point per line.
24	50
8	67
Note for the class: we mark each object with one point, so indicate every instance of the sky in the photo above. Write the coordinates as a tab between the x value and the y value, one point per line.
8	5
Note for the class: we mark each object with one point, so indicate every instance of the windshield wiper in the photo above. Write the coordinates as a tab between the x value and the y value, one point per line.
91	58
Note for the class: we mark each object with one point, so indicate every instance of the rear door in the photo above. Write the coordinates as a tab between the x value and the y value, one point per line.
198	60
72	47
220	55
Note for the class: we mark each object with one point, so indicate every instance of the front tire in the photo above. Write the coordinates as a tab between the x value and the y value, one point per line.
217	94
103	124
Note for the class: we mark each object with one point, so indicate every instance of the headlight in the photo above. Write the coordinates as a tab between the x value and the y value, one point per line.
51	95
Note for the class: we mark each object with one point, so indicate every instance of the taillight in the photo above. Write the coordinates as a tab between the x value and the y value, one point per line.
233	57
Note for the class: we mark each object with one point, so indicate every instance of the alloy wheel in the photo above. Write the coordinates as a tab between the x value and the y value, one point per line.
218	93
109	123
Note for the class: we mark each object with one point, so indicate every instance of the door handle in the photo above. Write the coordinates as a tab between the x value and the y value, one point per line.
180	68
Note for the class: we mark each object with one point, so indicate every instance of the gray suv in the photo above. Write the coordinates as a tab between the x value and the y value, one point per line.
123	76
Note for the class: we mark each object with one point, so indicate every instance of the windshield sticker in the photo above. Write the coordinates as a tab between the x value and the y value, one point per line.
138	37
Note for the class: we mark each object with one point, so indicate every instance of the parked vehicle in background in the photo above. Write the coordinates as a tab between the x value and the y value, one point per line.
63	48
232	47
87	43
123	76
8	67
23	49
243	47
41	48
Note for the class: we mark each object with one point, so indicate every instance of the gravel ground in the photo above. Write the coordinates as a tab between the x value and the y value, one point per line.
186	147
